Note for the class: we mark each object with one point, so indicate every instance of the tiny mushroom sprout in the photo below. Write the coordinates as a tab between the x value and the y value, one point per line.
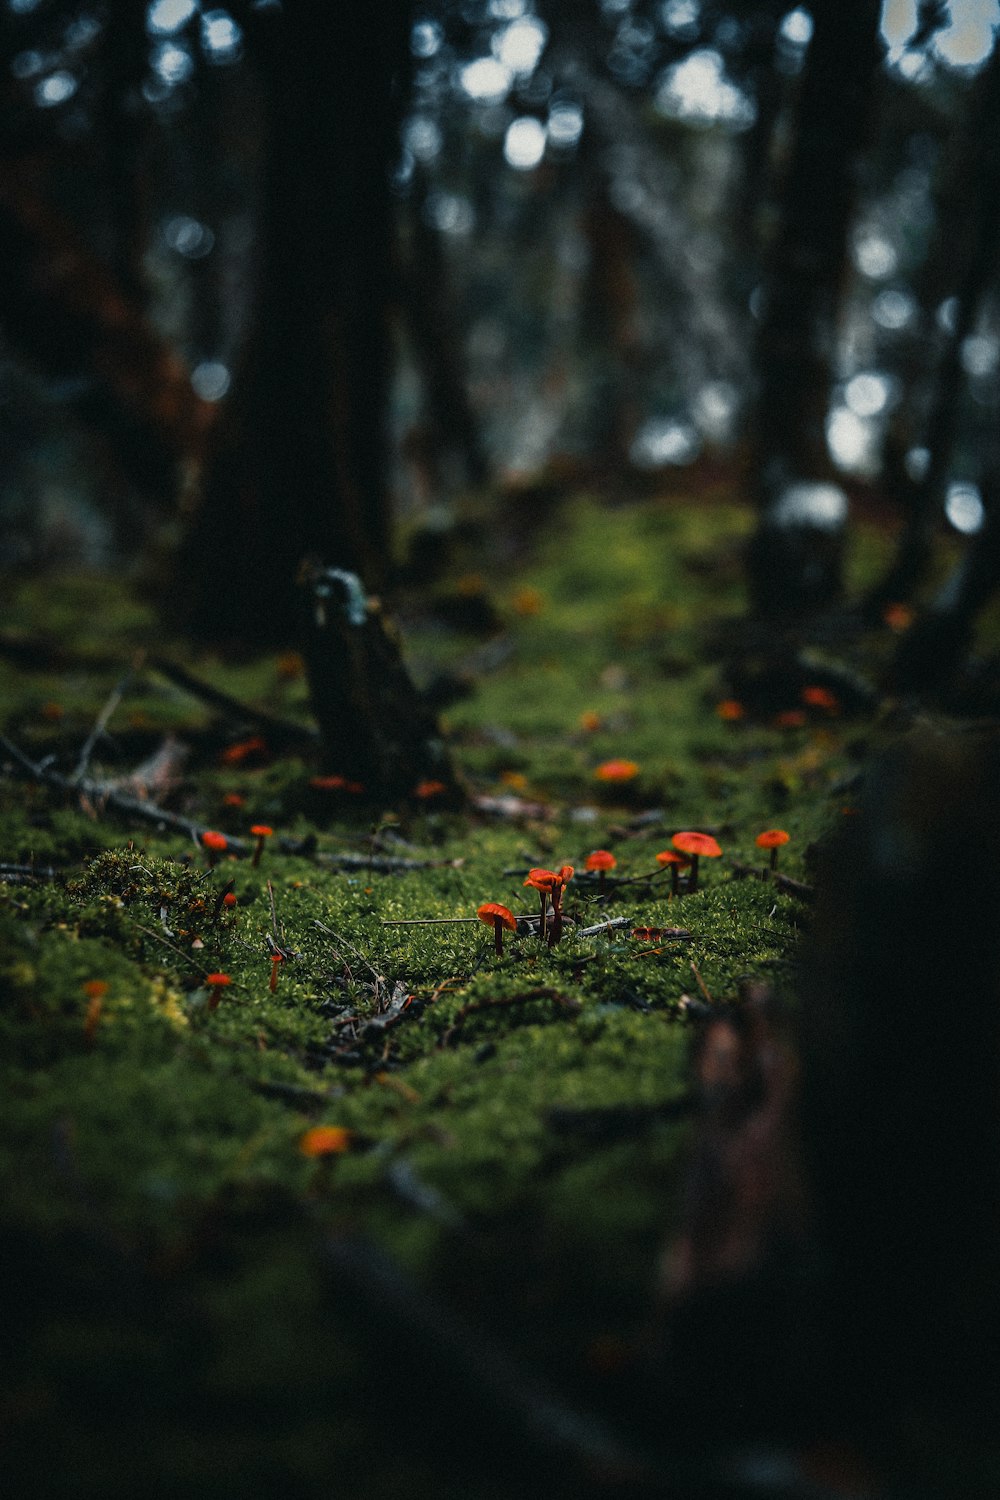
601	860
772	838
260	832
215	843
669	859
216	983
698	846
498	917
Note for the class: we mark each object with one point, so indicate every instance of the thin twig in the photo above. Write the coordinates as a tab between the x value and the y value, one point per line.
114	698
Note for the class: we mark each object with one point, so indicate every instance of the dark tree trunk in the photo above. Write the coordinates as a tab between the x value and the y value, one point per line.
300	463
795	559
608	321
123	123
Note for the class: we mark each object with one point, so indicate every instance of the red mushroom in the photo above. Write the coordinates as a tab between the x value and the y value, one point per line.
772	838
698	846
260	832
276	961
215	843
498	917
669	858
216	984
601	860
550	885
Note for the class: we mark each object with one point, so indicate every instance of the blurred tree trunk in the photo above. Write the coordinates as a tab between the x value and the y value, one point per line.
299	465
450	423
967	241
608	320
795	557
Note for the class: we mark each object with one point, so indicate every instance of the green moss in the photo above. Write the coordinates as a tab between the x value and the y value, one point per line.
139	1124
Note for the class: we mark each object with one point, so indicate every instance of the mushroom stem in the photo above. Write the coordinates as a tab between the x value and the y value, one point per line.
693	876
544	899
275	965
674	881
498	936
774	858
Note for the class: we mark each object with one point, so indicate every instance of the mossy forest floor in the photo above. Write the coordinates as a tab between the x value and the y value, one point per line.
178	1322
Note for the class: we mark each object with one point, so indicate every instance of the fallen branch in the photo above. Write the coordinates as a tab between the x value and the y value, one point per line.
279	731
743	871
100	795
386	864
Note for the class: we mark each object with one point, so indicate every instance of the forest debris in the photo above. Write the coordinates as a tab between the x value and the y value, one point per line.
158	774
101	794
510	807
386	864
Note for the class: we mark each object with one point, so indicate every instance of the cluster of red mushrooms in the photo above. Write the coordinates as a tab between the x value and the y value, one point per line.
688	848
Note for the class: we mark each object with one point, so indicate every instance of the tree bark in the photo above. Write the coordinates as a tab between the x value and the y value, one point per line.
299	467
794	566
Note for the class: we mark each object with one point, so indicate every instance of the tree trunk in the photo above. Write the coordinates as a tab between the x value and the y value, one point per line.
795	558
299	467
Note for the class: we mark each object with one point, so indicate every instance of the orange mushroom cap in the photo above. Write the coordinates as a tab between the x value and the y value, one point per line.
217	981
617	770
543	880
565	874
820	697
261	831
492	912
696	843
601	859
671	857
772	838
213	840
325	1140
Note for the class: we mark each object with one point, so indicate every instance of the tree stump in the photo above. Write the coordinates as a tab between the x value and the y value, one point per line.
375	728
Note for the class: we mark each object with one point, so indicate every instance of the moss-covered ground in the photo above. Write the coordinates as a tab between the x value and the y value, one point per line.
178	1323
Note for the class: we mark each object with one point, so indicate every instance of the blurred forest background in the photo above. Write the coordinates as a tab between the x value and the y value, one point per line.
291	279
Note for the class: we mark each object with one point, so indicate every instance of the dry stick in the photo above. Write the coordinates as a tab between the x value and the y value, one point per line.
424	921
386	864
785	883
104	718
280	730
